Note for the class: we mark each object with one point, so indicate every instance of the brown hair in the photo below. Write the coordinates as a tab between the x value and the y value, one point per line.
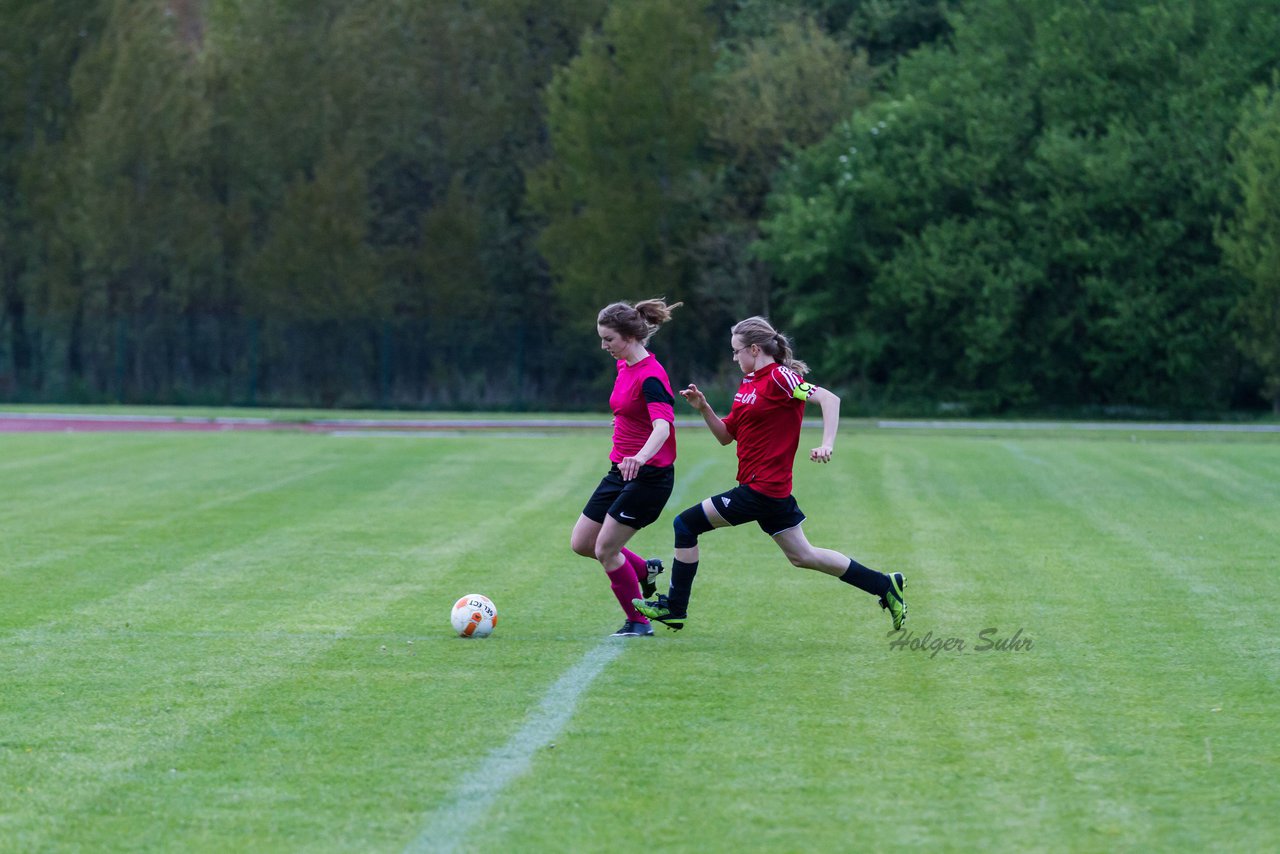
756	330
637	321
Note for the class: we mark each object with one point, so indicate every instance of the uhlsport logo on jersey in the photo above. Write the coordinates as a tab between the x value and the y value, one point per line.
748	398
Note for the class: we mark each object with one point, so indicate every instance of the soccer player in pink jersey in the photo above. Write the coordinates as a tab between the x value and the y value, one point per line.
765	421
642	471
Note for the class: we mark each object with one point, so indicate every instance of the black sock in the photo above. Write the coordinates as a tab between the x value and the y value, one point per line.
681	585
875	583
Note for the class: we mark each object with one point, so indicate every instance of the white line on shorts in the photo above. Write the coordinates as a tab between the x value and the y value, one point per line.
469	802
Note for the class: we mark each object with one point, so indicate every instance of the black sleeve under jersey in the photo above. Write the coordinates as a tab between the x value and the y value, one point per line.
656	392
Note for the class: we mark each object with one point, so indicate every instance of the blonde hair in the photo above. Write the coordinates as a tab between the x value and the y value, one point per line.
637	321
756	330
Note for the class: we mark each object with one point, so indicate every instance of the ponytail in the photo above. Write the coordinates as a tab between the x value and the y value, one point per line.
758	331
639	321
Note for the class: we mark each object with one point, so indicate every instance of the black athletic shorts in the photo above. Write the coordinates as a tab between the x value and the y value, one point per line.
635	503
743	504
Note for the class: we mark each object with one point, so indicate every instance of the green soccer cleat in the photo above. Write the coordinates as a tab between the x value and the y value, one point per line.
892	600
657	609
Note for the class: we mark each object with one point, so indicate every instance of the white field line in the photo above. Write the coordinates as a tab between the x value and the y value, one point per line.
444	828
96	775
468	804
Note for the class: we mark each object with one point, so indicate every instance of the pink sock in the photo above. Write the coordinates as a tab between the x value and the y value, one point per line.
636	563
625	588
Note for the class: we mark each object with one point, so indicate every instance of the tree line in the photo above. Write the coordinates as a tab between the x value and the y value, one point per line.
1000	206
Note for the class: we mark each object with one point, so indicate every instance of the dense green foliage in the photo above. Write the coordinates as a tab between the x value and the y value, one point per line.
1251	242
1027	216
1003	204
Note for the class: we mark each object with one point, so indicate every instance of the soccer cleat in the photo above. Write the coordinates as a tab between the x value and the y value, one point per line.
649	584
634	630
658	609
892	600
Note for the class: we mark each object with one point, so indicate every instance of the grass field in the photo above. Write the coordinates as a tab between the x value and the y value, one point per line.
240	642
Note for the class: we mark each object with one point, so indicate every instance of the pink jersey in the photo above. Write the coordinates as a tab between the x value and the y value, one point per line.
642	395
765	420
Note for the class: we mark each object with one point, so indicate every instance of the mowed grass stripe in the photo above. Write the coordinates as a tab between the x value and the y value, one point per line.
959	713
34	498
474	795
136	488
779	707
359	596
221	504
347	677
85	564
1106	639
1169	662
489	802
1094	569
1000	550
382	789
26	456
1144	492
1238	474
747	714
1096	683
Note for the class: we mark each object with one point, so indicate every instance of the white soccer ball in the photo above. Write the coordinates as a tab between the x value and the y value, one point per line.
474	616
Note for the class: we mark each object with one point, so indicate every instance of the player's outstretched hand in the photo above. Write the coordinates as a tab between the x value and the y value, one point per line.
821	454
695	398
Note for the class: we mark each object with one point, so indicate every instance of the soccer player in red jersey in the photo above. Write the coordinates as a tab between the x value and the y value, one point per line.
765	421
642	473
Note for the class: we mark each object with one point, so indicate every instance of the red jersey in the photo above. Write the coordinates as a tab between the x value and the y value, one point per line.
642	395
765	420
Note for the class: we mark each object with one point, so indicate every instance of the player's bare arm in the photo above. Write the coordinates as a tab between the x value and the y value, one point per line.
829	402
630	466
715	424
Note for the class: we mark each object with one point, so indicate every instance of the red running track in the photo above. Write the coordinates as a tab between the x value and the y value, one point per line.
22	422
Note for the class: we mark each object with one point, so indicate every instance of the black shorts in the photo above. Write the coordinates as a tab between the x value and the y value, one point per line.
743	504
634	503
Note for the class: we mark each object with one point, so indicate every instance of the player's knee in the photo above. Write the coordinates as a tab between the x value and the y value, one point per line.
802	559
685	538
582	547
689	525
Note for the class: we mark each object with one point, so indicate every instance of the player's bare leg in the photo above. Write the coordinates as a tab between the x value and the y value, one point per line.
583	538
888	588
622	578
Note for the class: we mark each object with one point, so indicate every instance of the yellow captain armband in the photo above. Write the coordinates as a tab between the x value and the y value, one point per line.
804	391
